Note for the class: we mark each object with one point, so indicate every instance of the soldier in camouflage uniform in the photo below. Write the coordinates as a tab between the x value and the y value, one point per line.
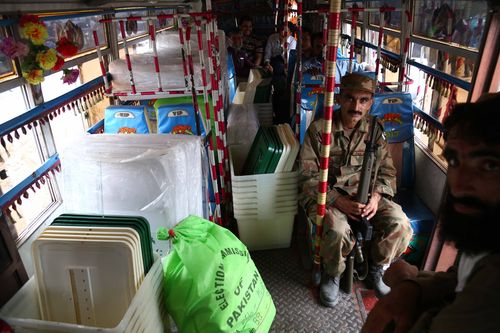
391	227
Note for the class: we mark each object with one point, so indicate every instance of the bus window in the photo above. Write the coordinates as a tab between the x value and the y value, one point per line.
53	86
458	21
20	161
83	26
449	63
132	28
28	216
393	19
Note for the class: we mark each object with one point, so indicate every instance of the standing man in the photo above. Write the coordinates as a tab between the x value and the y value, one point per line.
465	298
391	227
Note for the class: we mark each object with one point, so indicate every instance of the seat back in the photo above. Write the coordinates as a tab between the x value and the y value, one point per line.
395	110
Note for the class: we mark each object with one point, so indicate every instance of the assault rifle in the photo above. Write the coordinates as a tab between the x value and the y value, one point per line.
362	229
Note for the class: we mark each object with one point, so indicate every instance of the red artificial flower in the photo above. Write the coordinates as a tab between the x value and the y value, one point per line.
66	48
59	64
25	19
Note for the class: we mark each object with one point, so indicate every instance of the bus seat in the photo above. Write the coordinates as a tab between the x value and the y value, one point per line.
395	110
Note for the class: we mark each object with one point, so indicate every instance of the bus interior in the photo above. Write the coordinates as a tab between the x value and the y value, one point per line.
77	76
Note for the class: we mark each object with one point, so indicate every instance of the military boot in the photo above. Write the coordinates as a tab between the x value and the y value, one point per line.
374	281
329	290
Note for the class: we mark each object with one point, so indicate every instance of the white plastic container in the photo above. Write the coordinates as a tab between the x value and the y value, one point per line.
271	233
144	314
264	206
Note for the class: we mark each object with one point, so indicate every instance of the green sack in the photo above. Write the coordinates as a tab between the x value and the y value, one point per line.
211	283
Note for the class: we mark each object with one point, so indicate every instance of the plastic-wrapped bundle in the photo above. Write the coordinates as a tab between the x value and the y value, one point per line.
158	177
171	65
242	126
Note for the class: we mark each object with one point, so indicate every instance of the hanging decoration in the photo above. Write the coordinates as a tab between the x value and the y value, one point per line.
78	104
35	52
34	184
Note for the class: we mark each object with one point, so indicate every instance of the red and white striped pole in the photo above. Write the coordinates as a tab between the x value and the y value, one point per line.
152	36
215	77
107	85
187	81
127	57
354	20
217	144
332	44
298	91
380	38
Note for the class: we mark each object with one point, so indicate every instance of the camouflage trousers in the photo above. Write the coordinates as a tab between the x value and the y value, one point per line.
391	235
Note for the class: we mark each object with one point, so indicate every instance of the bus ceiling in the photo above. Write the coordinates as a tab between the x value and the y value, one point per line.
10	6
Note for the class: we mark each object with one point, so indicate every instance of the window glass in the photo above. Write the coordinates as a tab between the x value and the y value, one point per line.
132	28
389	42
459	67
25	218
81	27
392	19
6	67
20	160
66	126
14	99
433	99
348	15
88	71
53	85
164	23
459	22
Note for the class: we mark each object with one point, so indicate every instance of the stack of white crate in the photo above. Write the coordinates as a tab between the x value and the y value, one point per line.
264	206
146	312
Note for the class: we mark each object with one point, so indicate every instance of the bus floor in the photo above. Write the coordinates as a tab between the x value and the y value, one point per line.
297	303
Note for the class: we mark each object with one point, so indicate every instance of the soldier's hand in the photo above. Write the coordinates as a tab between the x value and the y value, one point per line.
349	207
371	208
399	307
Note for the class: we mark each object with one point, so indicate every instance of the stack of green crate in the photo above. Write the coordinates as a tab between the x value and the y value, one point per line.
265	152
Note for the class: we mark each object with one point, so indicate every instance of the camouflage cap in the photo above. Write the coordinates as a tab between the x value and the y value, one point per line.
356	81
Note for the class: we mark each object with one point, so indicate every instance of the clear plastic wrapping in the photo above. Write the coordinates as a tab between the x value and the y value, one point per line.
171	64
159	177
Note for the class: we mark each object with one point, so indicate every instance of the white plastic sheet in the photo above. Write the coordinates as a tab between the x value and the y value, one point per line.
158	177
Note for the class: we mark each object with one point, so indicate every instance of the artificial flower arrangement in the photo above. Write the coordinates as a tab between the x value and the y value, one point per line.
36	57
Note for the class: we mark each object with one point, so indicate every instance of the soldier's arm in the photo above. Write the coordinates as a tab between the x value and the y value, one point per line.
385	184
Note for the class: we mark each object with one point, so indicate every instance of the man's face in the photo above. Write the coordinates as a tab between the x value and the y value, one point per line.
354	105
246	28
471	208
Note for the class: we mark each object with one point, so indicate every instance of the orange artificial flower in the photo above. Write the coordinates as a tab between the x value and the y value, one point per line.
35	32
34	76
46	59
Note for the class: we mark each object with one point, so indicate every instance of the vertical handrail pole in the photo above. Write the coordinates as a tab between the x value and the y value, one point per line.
298	91
127	56
152	37
332	44
107	85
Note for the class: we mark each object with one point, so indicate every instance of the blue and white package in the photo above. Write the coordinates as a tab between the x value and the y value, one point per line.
177	116
126	119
